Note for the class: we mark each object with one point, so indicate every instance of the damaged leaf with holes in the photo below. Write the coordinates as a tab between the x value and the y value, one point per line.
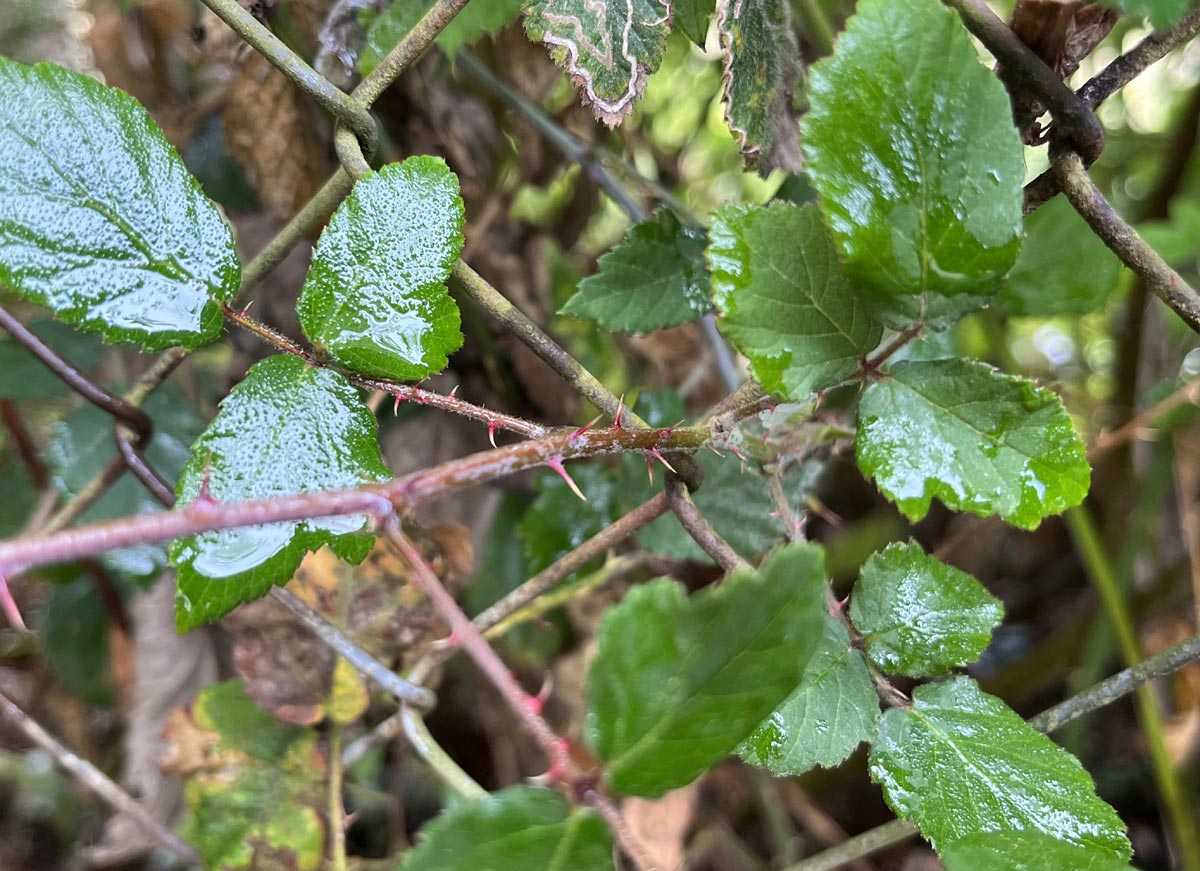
287	428
254	787
99	219
375	299
679	682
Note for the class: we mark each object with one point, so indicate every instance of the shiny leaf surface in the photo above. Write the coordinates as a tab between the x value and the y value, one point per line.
523	827
375	298
656	278
783	299
286	428
959	762
608	49
677	682
761	63
831	712
978	440
99	220
1063	267
1025	851
919	616
911	146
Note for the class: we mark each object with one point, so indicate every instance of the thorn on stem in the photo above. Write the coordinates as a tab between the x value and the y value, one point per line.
620	409
573	437
9	605
492	427
556	463
454	393
653	452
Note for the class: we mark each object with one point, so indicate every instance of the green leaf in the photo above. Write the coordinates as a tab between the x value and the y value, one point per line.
608	49
1063	267
255	787
911	146
761	63
679	682
1025	851
978	440
23	376
375	298
783	299
920	617
81	445
477	19
523	827
656	278
76	634
558	521
831	712
287	428
691	18
1162	13
960	762
99	220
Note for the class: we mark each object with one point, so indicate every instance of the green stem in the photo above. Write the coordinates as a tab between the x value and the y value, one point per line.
337	811
1100	570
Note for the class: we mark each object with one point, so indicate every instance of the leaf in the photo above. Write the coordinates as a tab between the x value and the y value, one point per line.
558	521
375	298
761	63
76	634
24	377
255	787
980	441
677	682
911	146
918	615
1025	851
608	49
1063	267
691	18
522	827
831	712
783	299
1162	13
959	762
287	428
81	445
478	18
100	221
656	278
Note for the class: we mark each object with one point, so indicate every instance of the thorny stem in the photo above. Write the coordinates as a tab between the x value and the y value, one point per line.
97	781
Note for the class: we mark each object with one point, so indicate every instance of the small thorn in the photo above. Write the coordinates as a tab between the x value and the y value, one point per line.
536	704
556	463
666	433
650	468
620	410
492	427
653	452
396	406
715	451
9	605
454	393
560	753
591	423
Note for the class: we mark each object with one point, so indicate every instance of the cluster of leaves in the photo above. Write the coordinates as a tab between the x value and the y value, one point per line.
918	169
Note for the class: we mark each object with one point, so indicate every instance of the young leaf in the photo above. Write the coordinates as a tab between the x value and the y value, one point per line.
477	19
1025	851
99	220
920	617
783	299
375	298
959	762
255	788
81	445
691	17
678	682
912	148
1063	267
980	441
522	827
761	67
832	711
608	49
286	428
656	278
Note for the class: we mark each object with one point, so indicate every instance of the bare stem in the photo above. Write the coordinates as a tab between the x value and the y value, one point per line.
700	529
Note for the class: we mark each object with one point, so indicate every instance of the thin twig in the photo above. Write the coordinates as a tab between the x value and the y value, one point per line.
700	529
95	780
1137	60
1142	425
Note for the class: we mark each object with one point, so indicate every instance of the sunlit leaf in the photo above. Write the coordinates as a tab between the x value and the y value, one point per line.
1025	851
784	300
911	145
286	428
831	712
375	298
678	682
978	440
920	616
99	220
960	762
